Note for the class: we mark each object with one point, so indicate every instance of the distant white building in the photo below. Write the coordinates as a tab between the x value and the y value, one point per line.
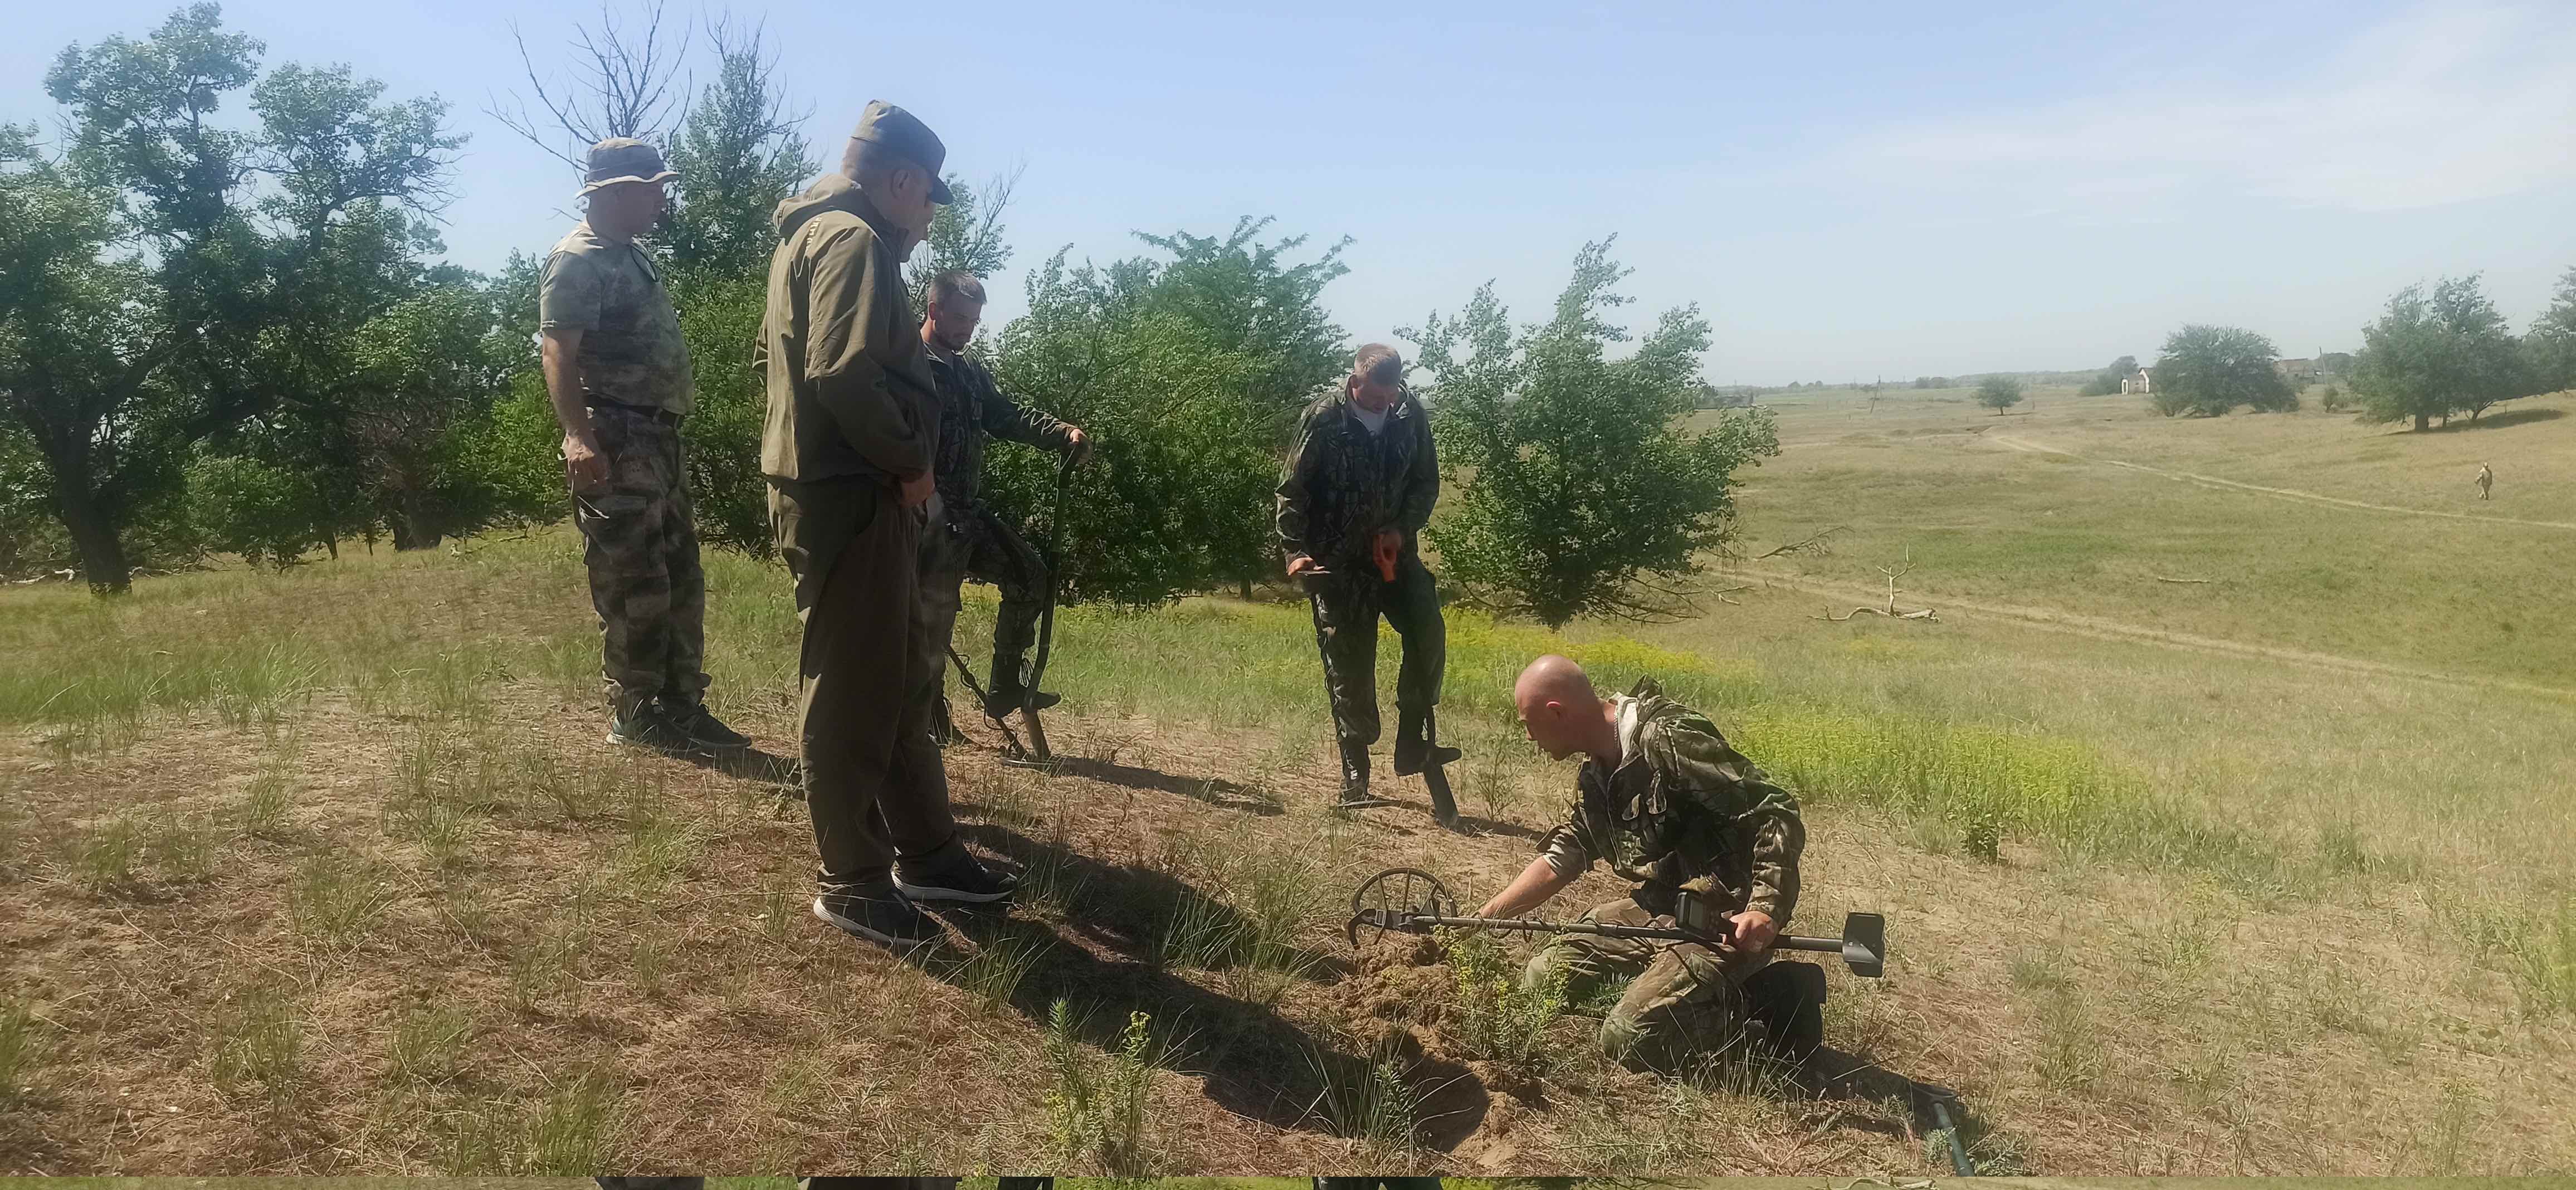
2143	382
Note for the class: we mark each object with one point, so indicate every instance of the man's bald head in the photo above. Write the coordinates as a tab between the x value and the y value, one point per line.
1559	707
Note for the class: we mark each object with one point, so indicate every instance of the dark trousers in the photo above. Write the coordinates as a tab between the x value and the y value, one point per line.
866	678
977	544
640	546
1347	604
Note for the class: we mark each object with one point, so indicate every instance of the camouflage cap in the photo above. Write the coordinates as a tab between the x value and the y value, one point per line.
885	124
623	159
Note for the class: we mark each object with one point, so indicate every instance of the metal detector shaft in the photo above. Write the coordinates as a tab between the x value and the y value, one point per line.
1046	616
977	689
1666	933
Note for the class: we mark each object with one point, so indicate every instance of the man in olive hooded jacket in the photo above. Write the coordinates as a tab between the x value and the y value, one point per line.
852	430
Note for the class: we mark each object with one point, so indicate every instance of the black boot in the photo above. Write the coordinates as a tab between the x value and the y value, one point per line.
1415	749
1355	779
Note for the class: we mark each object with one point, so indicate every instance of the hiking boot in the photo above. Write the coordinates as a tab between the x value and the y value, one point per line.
703	731
647	726
1414	750
878	913
963	879
1004	700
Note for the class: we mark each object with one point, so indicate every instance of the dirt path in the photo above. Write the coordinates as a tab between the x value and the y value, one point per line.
2099	628
2211	481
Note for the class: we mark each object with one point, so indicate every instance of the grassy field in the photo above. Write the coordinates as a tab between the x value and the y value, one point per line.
330	872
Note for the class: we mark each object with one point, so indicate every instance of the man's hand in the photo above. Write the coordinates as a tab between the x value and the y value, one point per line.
1303	566
1078	444
1754	931
917	490
584	466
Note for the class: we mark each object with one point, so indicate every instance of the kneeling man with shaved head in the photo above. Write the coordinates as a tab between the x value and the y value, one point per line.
1671	807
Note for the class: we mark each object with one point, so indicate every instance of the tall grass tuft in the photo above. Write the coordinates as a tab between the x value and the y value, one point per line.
22	1049
1498	1017
1096	1109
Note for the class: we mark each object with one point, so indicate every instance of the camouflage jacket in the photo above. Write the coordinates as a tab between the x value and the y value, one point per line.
1683	810
632	352
971	406
1342	484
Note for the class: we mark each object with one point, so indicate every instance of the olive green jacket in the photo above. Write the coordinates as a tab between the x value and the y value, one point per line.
850	390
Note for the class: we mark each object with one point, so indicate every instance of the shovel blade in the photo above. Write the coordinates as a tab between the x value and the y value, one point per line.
1865	944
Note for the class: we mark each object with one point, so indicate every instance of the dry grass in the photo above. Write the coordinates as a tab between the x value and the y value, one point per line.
379	900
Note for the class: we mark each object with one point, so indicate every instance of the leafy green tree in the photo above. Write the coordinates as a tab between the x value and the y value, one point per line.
1999	393
2433	355
2549	350
1573	489
2208	371
1189	373
133	328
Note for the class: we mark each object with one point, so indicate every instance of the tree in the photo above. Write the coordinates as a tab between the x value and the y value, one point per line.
1999	393
175	246
1189	373
1573	488
738	153
2432	355
627	82
2207	371
2549	350
2107	381
967	234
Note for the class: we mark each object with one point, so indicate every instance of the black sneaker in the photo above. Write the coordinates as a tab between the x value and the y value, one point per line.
880	915
647	727
964	880
1001	703
700	727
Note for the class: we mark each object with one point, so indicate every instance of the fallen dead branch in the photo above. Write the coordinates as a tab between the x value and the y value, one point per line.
1820	542
2162	579
1893	573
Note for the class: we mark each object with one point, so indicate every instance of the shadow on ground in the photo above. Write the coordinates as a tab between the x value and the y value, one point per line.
1215	791
2498	421
1829	1073
1255	1062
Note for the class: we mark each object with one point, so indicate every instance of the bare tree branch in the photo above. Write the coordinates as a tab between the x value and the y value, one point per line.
625	84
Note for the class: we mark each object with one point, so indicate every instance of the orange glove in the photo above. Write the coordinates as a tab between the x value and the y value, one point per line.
1388	545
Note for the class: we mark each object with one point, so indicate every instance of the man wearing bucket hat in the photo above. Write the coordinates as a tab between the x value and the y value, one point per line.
618	372
852	435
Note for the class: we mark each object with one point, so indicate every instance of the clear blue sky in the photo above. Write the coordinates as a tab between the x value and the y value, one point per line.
1847	190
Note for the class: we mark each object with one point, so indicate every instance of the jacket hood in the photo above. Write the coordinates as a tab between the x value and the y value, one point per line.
831	192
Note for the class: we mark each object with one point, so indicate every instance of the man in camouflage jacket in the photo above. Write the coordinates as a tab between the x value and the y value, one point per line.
965	537
1669	805
1354	494
617	372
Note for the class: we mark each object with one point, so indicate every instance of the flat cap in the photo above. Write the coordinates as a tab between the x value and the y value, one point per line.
904	133
623	159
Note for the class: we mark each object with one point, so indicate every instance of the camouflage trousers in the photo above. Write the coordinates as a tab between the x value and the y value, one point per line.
976	544
1347	604
640	544
1686	1000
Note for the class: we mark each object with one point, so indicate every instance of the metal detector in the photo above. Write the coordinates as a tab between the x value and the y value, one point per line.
1412	901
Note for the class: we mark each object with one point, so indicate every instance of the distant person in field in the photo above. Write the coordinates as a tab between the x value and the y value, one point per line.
2486	483
964	536
618	372
1663	800
1356	490
852	432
